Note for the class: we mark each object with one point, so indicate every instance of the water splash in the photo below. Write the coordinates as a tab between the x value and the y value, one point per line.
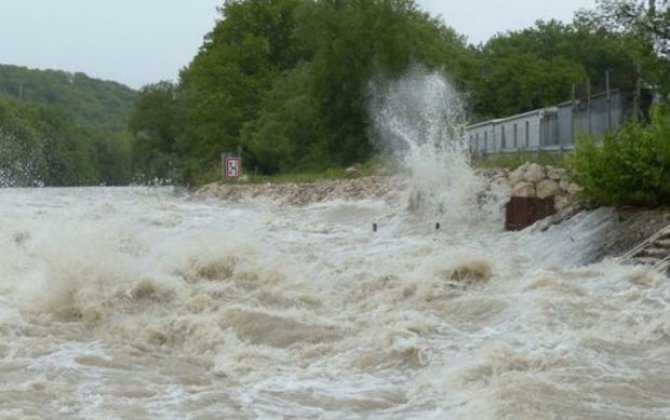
420	119
17	168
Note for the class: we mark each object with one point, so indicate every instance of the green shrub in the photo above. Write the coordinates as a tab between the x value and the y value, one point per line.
630	167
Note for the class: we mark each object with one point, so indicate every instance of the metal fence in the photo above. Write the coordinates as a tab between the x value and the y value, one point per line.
552	129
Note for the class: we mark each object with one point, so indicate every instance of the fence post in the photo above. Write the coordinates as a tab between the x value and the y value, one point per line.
588	106
572	114
609	100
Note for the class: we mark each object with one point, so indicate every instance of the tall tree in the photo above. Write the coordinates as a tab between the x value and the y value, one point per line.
224	85
537	67
155	125
646	25
288	79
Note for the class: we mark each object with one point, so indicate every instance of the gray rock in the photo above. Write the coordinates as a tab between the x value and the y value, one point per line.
547	188
516	175
501	180
524	189
561	201
564	184
535	173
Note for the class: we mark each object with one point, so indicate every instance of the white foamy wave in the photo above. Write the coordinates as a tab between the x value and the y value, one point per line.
124	303
420	118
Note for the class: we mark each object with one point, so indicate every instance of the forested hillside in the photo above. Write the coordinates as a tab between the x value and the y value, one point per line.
58	128
90	101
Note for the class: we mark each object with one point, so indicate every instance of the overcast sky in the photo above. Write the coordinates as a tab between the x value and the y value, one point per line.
143	41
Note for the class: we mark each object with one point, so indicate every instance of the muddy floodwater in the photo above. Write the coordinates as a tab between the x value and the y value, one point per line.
141	303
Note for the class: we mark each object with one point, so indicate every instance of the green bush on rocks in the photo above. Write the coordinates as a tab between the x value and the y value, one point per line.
630	167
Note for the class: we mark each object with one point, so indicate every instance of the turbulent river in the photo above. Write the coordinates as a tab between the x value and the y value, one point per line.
145	303
140	303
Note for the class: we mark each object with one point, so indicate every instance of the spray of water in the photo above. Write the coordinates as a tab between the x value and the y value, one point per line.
17	168
420	119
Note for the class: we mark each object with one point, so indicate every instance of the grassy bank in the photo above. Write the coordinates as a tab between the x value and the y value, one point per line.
514	160
375	166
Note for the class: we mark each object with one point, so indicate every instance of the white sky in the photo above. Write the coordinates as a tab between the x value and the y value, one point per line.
143	41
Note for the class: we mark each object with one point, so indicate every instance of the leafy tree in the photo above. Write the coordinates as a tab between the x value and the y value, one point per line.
224	85
287	80
537	67
289	132
42	146
646	27
155	124
354	41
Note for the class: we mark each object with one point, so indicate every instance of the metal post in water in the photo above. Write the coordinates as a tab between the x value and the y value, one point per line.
374	227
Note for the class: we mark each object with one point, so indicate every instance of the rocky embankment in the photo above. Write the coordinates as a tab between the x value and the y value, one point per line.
626	228
528	180
623	229
532	180
299	194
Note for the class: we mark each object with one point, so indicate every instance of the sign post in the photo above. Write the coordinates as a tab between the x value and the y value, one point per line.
232	167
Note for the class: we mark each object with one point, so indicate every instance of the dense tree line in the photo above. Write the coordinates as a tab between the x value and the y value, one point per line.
287	81
548	64
89	101
58	128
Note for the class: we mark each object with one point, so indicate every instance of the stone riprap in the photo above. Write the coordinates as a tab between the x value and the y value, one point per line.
532	180
529	181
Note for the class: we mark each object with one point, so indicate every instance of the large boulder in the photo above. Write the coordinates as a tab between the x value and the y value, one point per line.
564	184
516	175
561	201
524	189
535	173
547	188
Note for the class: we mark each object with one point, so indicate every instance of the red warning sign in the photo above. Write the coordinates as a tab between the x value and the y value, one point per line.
232	167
